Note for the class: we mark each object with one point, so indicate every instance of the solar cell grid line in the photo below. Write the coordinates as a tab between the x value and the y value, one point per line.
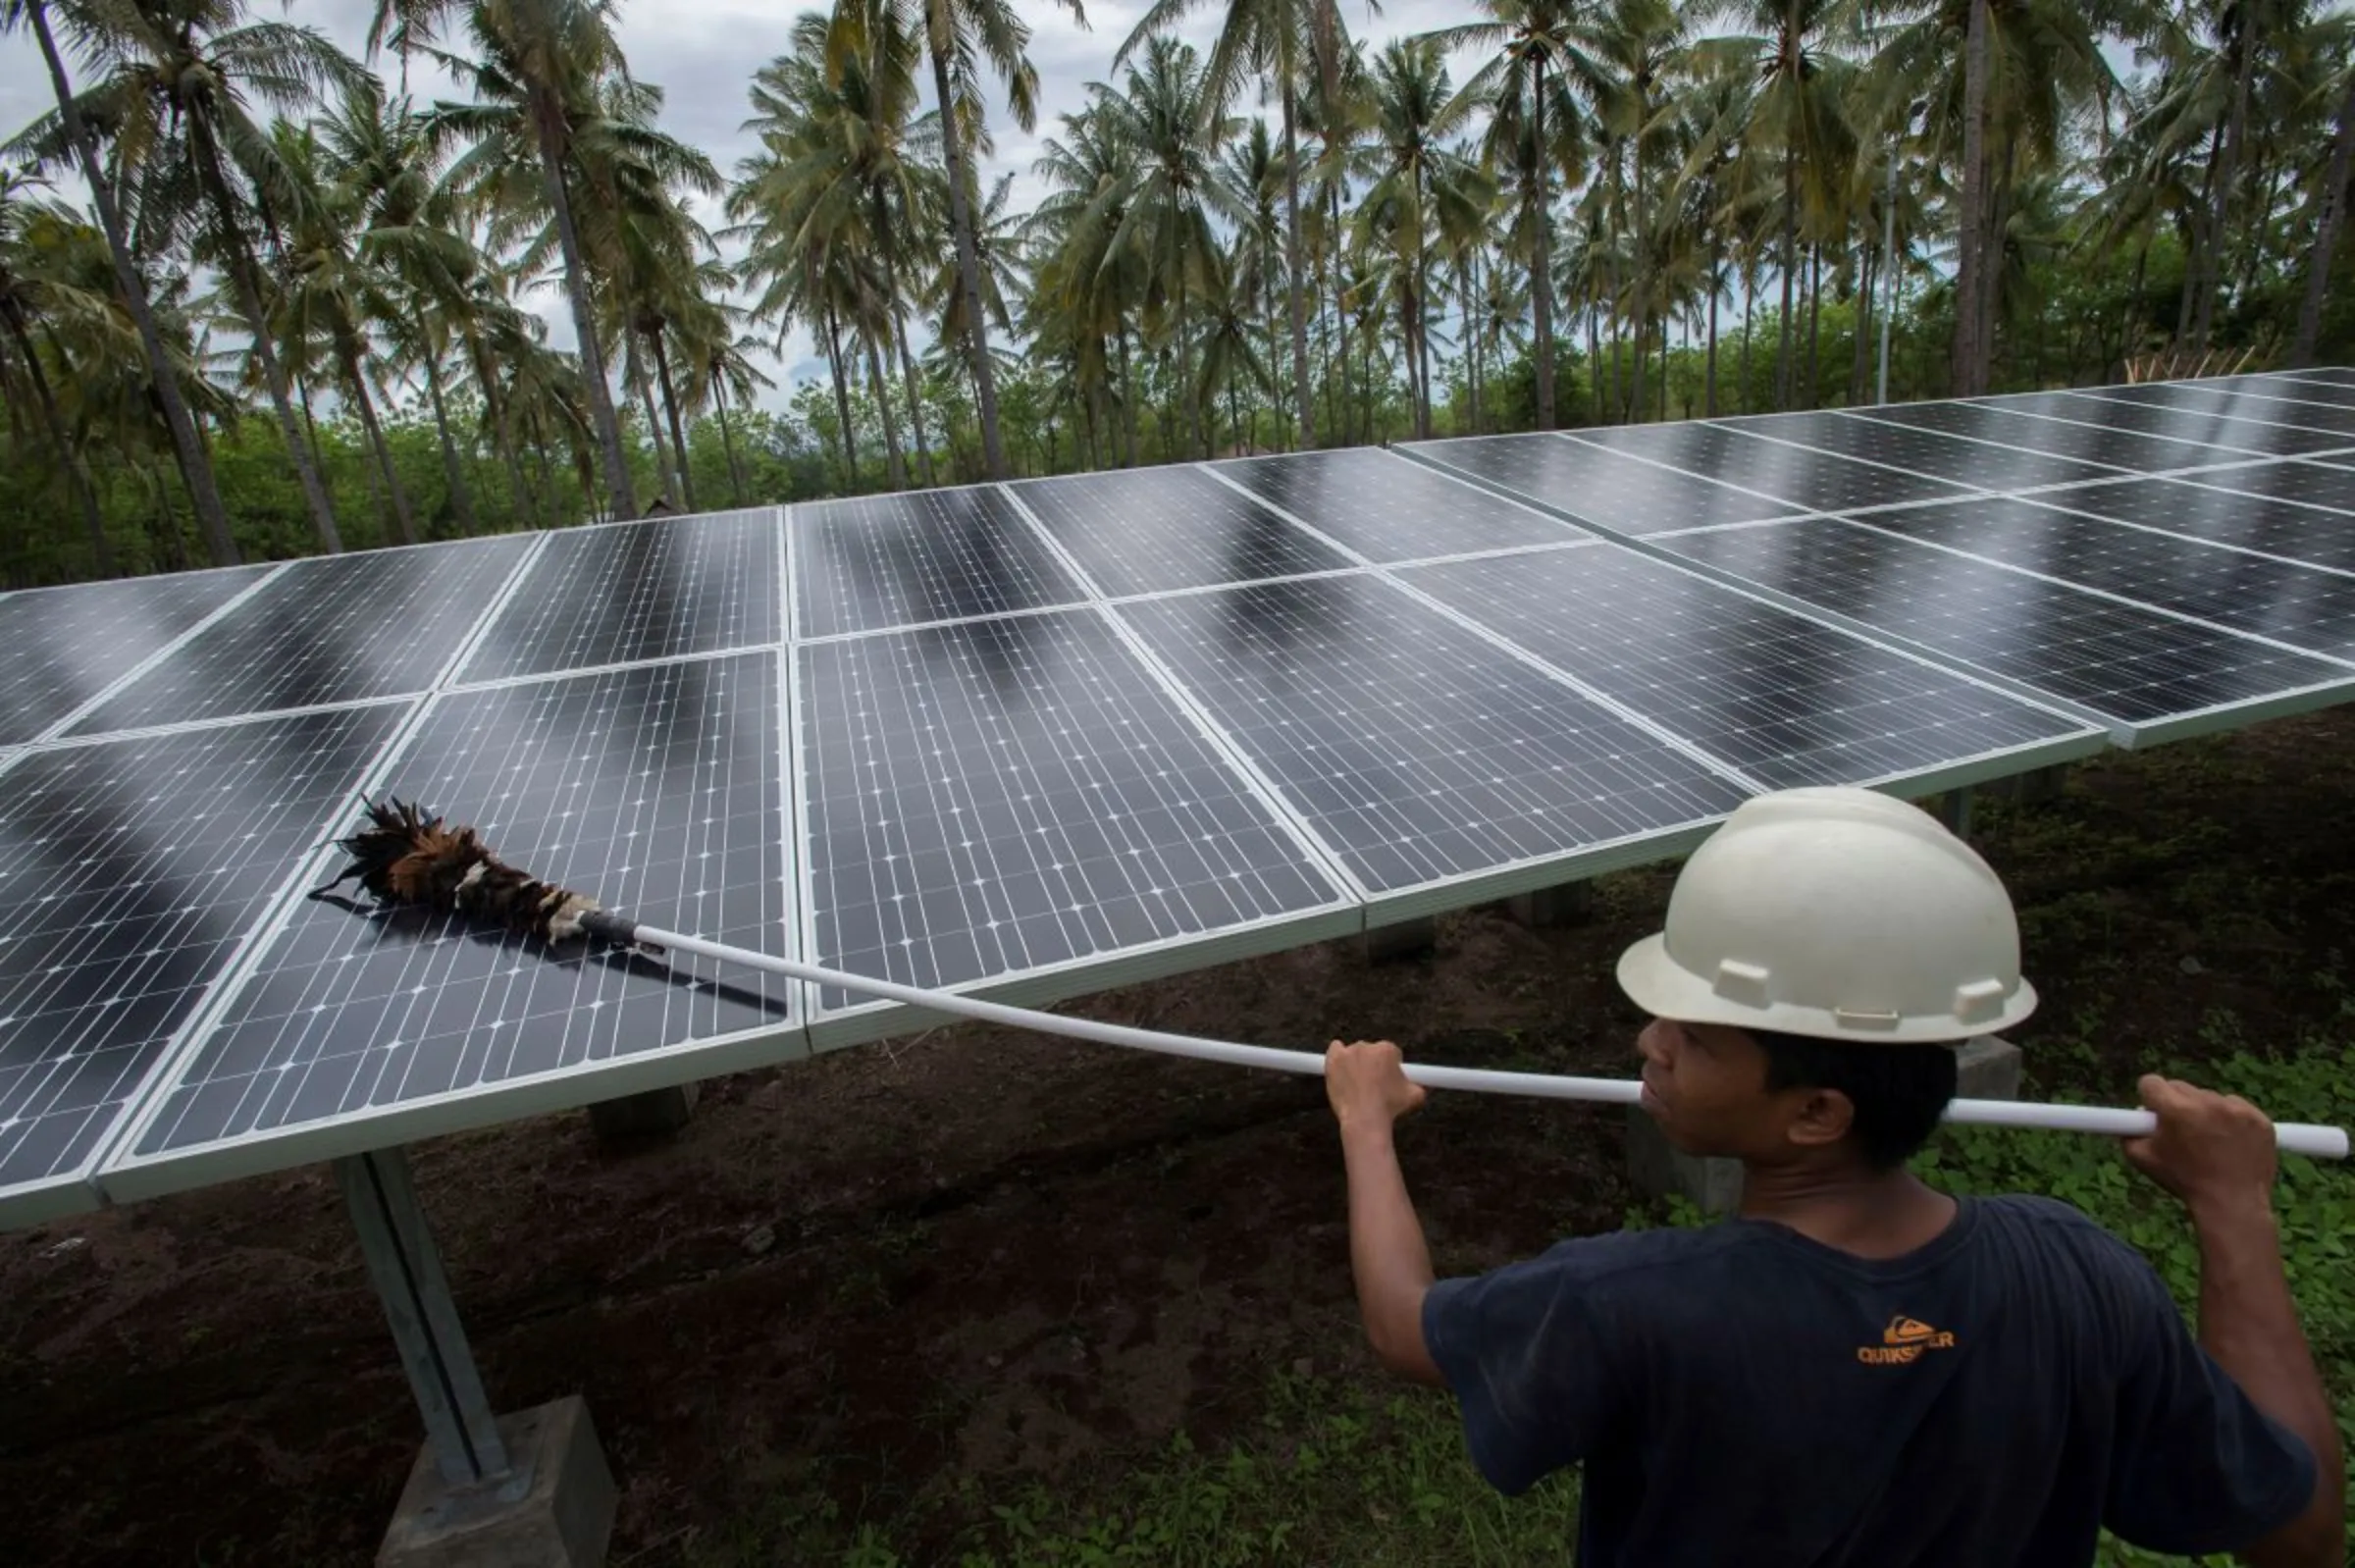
624	593
2302	482
2312	536
1611	492
2230	404
1151	530
2332	375
2219	431
63	648
329	629
1786	700
2283	601
1381	510
1000	804
2145	674
2337	395
1437	768
652	788
2128	452
131	871
1917	451
876	562
1813	480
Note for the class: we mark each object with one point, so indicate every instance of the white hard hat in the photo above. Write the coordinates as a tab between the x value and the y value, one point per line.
1840	913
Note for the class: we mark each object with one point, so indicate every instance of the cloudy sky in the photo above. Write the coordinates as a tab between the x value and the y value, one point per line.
703	54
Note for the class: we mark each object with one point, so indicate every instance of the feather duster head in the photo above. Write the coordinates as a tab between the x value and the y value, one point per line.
408	857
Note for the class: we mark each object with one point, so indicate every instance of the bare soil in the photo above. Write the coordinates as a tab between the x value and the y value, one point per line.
981	1255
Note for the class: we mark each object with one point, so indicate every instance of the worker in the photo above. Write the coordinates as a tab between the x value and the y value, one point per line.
1854	1368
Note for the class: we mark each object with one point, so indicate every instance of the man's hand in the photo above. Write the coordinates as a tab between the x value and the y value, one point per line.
2211	1150
1367	1083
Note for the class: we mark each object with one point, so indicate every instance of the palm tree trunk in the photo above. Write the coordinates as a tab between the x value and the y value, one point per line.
1127	397
961	222
2212	258
666	470
670	405
195	467
622	494
1969	372
1814	387
1782	368
891	421
898	328
404	525
842	394
77	478
2320	256
1750	302
461	498
1716	263
1541	240
1862	333
1291	269
728	440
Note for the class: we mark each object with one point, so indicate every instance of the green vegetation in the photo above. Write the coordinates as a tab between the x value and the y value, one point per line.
300	312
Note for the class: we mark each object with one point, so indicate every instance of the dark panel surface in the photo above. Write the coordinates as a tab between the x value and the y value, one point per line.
1787	700
2317	483
130	870
2225	517
1151	530
2126	662
1818	482
639	591
2242	436
1925	452
2251	402
995	797
1609	489
1417	751
2118	448
880	561
653	790
1386	509
328	629
61	646
2296	605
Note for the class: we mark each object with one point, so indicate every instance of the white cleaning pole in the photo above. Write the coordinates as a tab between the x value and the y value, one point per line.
2292	1138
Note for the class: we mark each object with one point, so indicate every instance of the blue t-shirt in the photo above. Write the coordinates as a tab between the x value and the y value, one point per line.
1743	1394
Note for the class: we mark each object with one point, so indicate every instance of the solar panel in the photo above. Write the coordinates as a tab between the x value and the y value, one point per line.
1384	509
1151	530
2315	484
1436	767
2174	424
131	870
655	788
2114	448
2306	390
1729	454
1921	452
627	592
995	801
2266	404
328	629
2335	375
2279	600
1786	700
2311	534
1607	489
2146	674
62	647
880	561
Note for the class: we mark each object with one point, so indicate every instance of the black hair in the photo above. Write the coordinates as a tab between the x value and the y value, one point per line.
1898	1091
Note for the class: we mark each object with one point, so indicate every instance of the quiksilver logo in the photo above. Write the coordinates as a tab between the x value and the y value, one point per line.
1905	1340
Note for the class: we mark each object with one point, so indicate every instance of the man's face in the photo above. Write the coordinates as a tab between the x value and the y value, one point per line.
1705	1085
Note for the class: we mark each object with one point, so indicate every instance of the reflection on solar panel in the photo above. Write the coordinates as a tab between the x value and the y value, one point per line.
131	870
61	646
992	799
1418	752
880	561
2132	667
1610	490
2307	534
1151	530
1385	509
2268	404
2117	449
2340	394
330	629
1786	700
2230	435
656	789
638	590
1921	452
1731	457
2317	483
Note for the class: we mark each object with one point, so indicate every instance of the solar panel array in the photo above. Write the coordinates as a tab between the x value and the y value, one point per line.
1042	738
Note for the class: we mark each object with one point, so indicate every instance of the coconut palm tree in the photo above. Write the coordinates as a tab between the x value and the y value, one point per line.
30	295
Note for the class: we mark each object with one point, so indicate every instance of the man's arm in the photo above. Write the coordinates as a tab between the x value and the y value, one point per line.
1368	1089
2216	1154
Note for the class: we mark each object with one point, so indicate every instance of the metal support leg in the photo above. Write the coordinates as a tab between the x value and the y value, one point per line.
407	1270
1954	809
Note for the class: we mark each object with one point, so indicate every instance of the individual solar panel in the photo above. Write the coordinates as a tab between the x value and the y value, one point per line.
1922	451
61	646
653	789
1786	700
1607	489
1427	759
1152	530
2235	403
328	629
2317	483
2136	668
1386	509
2227	435
1815	480
2254	594
880	561
623	592
2307	534
131	869
990	801
2117	449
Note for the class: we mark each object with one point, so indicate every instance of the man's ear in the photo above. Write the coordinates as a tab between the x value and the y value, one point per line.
1823	1117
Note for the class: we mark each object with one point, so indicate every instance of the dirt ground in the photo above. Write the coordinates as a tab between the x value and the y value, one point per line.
984	1254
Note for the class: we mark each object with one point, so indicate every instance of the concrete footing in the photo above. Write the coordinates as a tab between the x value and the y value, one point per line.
1565	904
655	1114
1988	1069
1407	939
553	1508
